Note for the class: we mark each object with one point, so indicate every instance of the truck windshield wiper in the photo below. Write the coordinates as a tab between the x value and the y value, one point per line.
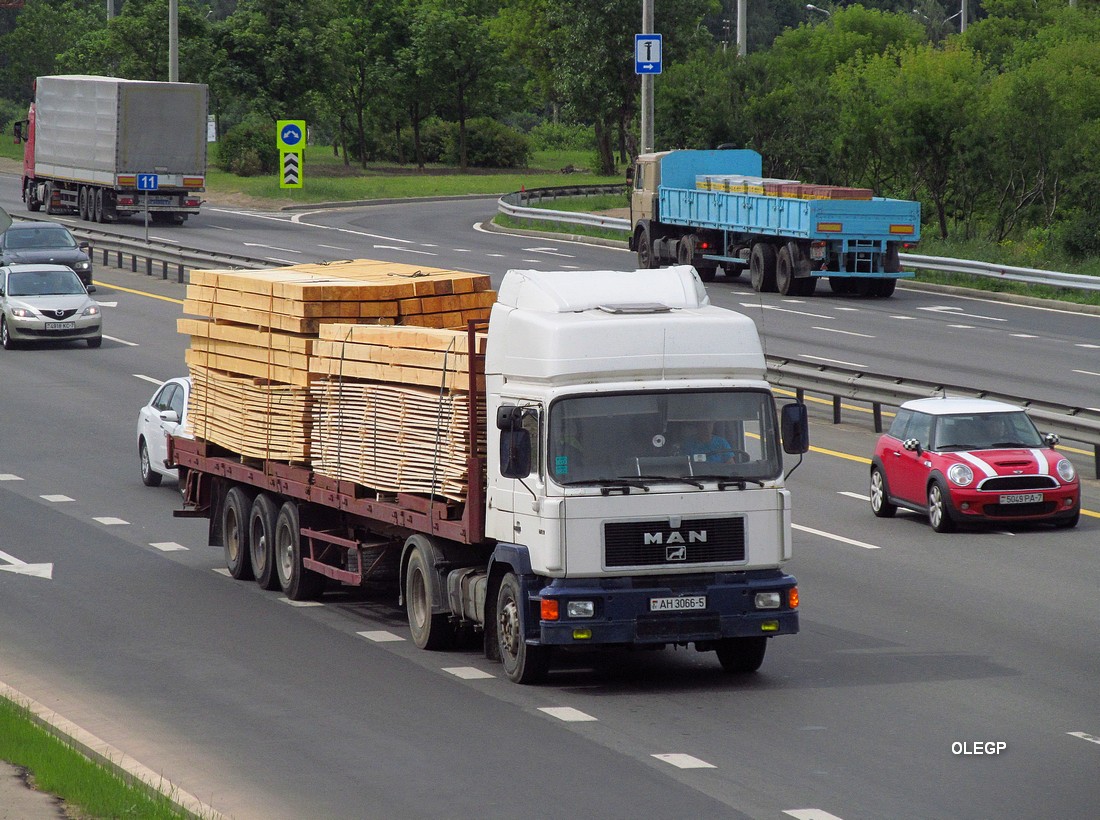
607	485
725	481
679	478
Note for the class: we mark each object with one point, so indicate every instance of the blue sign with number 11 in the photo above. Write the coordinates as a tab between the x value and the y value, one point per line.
147	182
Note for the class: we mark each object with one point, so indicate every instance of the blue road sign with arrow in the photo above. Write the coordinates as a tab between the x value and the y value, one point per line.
647	53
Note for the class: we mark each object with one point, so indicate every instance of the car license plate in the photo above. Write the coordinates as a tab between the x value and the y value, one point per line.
1022	498
678	604
60	325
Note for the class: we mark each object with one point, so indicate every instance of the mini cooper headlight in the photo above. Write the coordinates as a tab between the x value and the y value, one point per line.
1065	470
960	474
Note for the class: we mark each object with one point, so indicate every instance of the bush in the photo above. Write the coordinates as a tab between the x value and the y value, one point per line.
1079	234
249	149
556	136
489	144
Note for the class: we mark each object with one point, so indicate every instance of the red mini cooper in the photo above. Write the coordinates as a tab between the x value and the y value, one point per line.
972	460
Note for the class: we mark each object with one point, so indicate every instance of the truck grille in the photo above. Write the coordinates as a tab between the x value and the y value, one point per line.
655	543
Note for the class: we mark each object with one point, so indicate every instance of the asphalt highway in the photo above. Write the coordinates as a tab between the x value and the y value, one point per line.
936	676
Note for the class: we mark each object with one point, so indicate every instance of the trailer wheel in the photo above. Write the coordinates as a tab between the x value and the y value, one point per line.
97	215
739	656
235	534
82	203
886	287
785	282
261	540
431	632
299	583
762	267
841	285
522	663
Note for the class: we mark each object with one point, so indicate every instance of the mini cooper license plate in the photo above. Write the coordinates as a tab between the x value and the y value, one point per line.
1022	498
60	325
678	604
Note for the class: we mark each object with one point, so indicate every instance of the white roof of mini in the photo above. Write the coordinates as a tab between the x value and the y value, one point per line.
952	405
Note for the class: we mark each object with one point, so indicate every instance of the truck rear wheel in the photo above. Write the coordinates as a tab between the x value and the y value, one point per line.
82	203
261	540
522	663
299	583
235	534
762	267
429	631
740	656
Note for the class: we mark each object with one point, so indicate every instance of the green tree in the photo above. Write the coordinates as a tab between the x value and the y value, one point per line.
22	56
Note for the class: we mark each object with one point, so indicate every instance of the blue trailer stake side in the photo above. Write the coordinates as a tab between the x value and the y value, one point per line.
715	210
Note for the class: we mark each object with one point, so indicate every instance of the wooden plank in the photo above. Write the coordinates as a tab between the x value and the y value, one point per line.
403	336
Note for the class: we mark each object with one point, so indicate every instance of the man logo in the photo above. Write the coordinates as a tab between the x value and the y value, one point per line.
694	537
676	553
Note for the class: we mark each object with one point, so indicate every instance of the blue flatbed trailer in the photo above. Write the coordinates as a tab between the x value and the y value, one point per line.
788	243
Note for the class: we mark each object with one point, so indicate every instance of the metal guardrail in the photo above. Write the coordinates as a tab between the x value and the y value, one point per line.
878	390
1072	423
512	205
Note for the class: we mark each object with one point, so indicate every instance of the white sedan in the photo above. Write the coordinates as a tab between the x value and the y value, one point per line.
165	415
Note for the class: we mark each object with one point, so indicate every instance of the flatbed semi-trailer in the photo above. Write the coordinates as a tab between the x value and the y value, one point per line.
593	515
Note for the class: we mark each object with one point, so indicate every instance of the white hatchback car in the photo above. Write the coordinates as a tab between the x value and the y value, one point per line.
165	415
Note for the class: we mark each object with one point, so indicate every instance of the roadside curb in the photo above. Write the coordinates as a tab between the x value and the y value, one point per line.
102	753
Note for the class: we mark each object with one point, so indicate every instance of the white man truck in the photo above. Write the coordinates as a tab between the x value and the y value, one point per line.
714	210
106	148
626	486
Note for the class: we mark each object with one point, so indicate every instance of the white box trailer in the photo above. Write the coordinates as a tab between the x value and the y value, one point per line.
89	139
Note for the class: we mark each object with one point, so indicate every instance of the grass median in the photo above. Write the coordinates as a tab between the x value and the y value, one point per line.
59	769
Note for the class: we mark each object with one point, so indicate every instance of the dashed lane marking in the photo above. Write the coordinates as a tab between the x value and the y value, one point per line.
109	521
55	499
380	636
168	546
682	761
566	713
467	672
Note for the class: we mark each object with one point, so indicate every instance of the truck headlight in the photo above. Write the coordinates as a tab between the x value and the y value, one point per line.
960	474
768	600
580	609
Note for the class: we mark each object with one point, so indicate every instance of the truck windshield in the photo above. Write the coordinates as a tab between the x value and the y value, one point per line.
727	434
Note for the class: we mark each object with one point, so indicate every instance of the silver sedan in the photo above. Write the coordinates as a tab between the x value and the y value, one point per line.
40	303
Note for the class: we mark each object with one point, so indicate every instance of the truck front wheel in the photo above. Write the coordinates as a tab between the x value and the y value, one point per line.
644	244
740	656
522	663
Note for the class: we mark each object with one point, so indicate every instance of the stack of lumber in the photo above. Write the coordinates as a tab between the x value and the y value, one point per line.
392	409
252	349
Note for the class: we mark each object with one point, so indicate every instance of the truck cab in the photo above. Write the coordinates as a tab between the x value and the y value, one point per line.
635	469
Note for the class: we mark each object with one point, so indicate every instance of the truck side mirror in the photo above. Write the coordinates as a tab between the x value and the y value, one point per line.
795	427
515	453
509	416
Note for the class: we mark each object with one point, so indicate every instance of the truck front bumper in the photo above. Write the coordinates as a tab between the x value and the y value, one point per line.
654	611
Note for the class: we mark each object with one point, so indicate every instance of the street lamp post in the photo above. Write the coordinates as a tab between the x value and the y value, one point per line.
812	7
